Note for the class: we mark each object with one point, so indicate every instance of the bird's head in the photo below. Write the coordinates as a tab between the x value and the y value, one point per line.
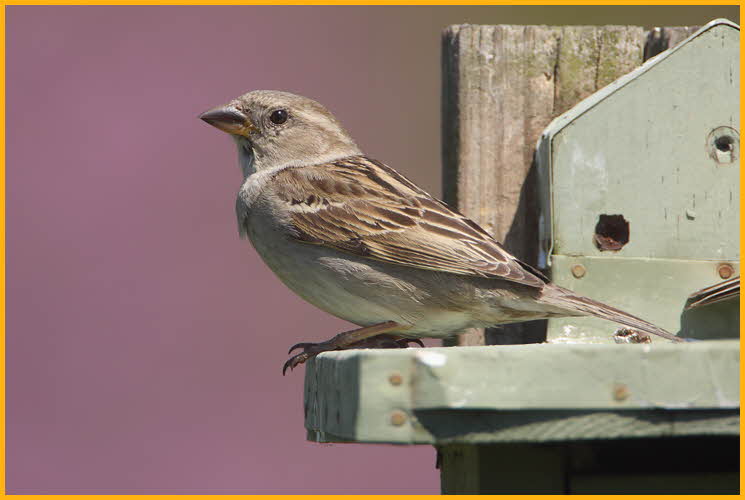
274	129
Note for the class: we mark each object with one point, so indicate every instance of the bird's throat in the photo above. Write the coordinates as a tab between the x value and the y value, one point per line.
246	159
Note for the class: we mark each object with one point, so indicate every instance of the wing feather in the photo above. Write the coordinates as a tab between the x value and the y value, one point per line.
363	207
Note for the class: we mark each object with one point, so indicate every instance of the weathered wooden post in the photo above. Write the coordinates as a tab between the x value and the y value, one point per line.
502	85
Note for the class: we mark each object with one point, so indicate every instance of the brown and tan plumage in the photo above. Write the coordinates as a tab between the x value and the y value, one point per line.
360	241
363	207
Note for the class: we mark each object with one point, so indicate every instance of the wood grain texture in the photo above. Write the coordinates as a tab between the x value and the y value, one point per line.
502	85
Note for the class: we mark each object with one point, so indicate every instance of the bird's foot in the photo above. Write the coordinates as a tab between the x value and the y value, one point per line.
310	350
361	338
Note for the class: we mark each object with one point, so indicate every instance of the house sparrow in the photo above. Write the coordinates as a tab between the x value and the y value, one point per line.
357	239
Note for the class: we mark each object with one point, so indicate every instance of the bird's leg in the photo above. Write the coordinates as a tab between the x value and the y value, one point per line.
342	341
382	341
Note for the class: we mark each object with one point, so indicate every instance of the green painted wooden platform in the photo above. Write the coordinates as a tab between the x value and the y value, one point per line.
524	393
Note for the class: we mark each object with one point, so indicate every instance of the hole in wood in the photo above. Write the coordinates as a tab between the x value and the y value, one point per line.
611	232
725	144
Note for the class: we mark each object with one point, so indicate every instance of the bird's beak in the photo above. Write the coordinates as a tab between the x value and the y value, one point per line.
229	119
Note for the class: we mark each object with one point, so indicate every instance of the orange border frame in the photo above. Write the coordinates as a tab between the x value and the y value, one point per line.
260	2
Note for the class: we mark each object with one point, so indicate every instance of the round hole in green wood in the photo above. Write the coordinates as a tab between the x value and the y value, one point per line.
611	232
723	145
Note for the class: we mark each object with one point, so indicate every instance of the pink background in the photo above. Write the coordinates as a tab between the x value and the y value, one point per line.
144	340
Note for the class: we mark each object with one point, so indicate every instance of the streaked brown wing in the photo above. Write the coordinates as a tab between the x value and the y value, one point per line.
365	208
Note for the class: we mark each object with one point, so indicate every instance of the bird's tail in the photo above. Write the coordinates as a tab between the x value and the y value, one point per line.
564	298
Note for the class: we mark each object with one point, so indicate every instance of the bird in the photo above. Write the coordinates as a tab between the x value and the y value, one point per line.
357	239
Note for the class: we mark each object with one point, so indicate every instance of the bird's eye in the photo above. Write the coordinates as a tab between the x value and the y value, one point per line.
278	117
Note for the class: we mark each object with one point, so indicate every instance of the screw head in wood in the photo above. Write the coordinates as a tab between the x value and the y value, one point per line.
725	271
398	418
621	392
395	379
578	271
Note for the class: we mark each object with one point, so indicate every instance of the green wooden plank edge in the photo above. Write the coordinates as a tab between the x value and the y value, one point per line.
539	392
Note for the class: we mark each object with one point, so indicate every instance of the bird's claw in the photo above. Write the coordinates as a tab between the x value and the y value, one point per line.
301	345
310	350
296	360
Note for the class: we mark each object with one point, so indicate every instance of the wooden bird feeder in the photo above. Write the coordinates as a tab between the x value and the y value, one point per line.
631	197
